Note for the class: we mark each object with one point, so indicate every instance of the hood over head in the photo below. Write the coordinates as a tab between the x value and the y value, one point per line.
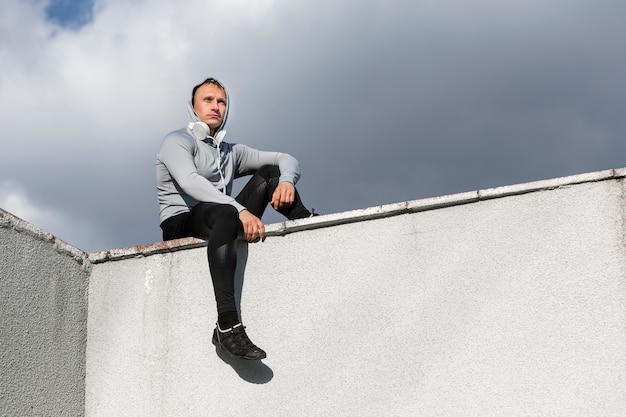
197	127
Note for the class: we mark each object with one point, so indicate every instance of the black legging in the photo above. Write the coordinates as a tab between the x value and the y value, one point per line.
219	224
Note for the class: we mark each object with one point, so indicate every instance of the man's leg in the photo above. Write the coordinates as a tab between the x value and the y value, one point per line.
257	194
220	225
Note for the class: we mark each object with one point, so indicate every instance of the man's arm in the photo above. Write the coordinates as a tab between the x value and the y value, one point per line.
250	159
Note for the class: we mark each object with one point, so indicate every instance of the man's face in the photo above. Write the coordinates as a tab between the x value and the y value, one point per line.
210	105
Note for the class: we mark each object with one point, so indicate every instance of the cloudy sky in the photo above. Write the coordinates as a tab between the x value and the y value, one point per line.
381	101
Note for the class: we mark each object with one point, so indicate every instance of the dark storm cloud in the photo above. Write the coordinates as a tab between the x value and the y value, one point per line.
477	98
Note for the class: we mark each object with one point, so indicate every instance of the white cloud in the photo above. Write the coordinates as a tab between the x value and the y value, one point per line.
116	80
15	200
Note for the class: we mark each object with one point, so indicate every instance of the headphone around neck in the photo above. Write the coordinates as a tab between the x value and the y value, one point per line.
201	131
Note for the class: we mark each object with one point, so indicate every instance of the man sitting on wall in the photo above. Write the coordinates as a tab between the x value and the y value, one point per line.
195	170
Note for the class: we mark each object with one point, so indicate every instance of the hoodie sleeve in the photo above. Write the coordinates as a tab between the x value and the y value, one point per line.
250	159
177	154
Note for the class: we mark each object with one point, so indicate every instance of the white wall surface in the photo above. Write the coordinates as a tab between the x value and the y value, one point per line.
504	302
43	322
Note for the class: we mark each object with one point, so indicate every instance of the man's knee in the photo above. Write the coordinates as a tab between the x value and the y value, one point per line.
225	214
223	222
215	214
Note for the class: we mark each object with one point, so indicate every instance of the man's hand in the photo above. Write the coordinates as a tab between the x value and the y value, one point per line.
253	227
284	195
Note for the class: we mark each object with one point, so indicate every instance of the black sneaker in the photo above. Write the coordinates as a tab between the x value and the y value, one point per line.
236	343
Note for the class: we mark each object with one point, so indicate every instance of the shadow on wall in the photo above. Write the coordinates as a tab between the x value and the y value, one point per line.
255	372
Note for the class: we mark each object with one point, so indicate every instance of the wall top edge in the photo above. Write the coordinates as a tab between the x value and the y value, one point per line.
9	220
370	213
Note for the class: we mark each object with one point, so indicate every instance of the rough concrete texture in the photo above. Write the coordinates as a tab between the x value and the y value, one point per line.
505	302
43	302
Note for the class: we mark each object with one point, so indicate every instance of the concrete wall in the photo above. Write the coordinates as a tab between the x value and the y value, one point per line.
503	302
43	322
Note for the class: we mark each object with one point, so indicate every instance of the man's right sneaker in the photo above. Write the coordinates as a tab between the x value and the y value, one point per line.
236	343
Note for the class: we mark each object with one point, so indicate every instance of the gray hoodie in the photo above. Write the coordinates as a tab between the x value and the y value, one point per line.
192	169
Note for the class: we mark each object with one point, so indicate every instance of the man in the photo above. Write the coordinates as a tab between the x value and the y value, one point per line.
195	172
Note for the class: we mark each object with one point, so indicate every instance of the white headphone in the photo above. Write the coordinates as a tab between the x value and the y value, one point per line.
201	130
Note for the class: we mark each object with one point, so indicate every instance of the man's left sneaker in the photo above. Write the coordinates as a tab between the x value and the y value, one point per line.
236	343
